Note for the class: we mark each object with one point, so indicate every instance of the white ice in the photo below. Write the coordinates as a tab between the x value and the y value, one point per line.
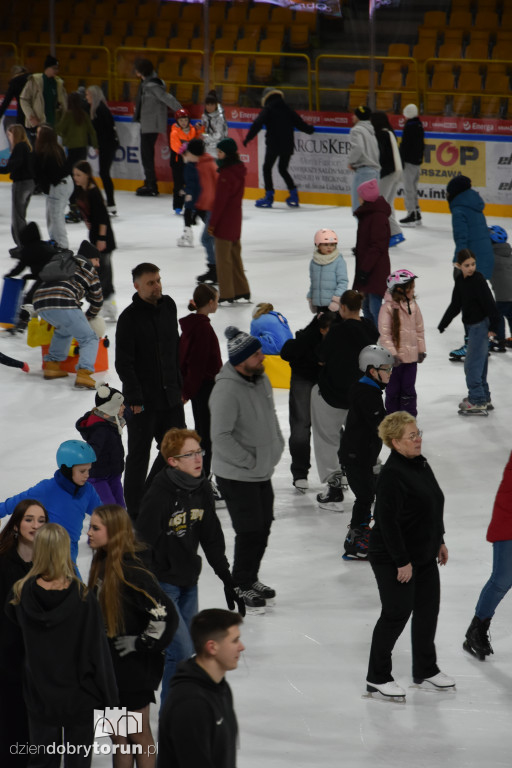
300	686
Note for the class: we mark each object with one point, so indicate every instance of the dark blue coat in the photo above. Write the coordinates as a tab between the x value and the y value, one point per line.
105	440
470	230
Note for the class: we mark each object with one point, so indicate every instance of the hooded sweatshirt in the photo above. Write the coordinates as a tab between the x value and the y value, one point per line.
470	229
198	727
200	358
372	247
67	670
364	149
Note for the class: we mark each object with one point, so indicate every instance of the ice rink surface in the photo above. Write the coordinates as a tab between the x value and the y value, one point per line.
299	690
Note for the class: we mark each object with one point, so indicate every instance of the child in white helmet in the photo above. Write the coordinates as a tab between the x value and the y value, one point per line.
327	273
402	333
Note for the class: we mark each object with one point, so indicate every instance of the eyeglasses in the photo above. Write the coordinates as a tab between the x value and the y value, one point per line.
414	435
190	455
385	368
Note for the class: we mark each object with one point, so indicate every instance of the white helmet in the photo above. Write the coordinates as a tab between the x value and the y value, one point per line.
400	277
328	236
373	356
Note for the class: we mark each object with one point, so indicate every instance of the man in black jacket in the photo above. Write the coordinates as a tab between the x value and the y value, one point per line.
411	153
280	121
198	724
147	363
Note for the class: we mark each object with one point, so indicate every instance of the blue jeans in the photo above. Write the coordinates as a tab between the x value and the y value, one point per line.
499	583
371	307
475	363
505	310
365	173
71	324
56	202
181	647
207	241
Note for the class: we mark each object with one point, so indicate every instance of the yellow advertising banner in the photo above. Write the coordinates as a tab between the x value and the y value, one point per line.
444	159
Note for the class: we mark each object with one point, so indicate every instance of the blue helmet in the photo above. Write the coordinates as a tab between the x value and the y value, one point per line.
74	452
498	234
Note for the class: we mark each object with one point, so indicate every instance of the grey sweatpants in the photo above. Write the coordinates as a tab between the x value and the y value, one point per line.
410	177
326	423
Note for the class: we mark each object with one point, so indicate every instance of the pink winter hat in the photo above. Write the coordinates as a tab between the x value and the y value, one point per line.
369	190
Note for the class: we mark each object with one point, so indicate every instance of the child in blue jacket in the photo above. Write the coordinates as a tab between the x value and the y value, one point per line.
271	328
327	273
67	496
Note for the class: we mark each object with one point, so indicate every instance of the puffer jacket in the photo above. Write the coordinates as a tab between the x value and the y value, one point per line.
372	254
327	281
470	230
214	129
412	334
364	149
178	137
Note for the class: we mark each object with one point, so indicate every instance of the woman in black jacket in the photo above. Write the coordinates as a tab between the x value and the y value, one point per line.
67	670
108	141
140	620
92	207
406	544
21	170
390	169
16	552
51	175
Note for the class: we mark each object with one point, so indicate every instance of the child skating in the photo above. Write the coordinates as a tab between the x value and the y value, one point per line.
501	282
327	273
402	334
480	316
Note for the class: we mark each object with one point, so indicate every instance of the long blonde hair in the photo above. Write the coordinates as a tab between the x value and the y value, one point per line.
107	565
51	559
97	96
19	134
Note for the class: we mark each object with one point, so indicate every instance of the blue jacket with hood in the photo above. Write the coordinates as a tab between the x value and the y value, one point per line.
470	229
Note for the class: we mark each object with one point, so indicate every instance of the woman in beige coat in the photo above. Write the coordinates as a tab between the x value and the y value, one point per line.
402	334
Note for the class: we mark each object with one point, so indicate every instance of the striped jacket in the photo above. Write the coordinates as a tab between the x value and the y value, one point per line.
68	294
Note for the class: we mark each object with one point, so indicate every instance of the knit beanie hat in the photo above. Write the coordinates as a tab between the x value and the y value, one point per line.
410	111
363	113
241	345
268	92
457	185
196	147
108	400
369	190
88	251
228	146
50	61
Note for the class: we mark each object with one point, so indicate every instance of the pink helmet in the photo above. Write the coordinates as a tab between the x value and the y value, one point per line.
400	277
328	236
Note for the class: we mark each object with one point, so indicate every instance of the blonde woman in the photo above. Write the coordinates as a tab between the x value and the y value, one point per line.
67	668
20	168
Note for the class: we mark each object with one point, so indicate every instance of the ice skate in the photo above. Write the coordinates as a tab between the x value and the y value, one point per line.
293	199
497	346
265	202
396	239
186	240
254	603
146	191
109	309
439	681
465	401
411	219
244	298
210	276
301	485
390	690
458	355
112	210
478	641
356	543
217	495
264	591
332	498
467	408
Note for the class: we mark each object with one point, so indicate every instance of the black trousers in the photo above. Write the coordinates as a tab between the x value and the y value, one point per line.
147	156
270	158
299	443
177	164
419	597
201	413
251	509
76	736
13	724
105	160
362	484
74	156
142	428
105	274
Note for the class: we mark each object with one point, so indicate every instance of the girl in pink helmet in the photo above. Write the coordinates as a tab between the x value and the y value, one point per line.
327	273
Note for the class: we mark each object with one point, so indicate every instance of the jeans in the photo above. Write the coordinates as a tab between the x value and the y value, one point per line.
365	173
207	241
271	156
300	425
505	310
410	178
56	202
181	647
71	324
401	390
475	363
419	596
500	581
371	307
147	156
21	194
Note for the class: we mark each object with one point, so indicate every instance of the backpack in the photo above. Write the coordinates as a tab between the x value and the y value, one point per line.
62	266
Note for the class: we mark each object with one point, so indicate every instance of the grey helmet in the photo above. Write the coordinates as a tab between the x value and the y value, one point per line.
374	356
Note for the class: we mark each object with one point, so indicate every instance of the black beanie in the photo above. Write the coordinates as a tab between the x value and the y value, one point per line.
196	147
88	251
456	186
50	61
363	113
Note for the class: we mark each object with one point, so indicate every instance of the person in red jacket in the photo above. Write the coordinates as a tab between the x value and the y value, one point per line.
207	170
200	362
372	255
477	640
226	223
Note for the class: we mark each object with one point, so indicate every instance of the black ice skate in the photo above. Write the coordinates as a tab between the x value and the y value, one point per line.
264	591
210	276
356	543
478	641
332	498
253	601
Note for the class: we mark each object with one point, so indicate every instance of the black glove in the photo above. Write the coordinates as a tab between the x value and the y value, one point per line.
232	599
421	356
361	277
244	142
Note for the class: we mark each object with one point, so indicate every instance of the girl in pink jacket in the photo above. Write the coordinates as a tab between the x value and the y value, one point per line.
401	333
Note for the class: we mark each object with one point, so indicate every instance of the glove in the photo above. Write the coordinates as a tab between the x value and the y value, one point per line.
125	644
421	356
397	361
98	326
361	277
232	599
334	306
244	142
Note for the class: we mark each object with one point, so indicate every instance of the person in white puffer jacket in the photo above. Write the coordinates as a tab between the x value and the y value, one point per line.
402	334
213	123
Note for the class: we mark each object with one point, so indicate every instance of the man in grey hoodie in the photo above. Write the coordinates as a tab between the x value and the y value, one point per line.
151	107
247	444
363	157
